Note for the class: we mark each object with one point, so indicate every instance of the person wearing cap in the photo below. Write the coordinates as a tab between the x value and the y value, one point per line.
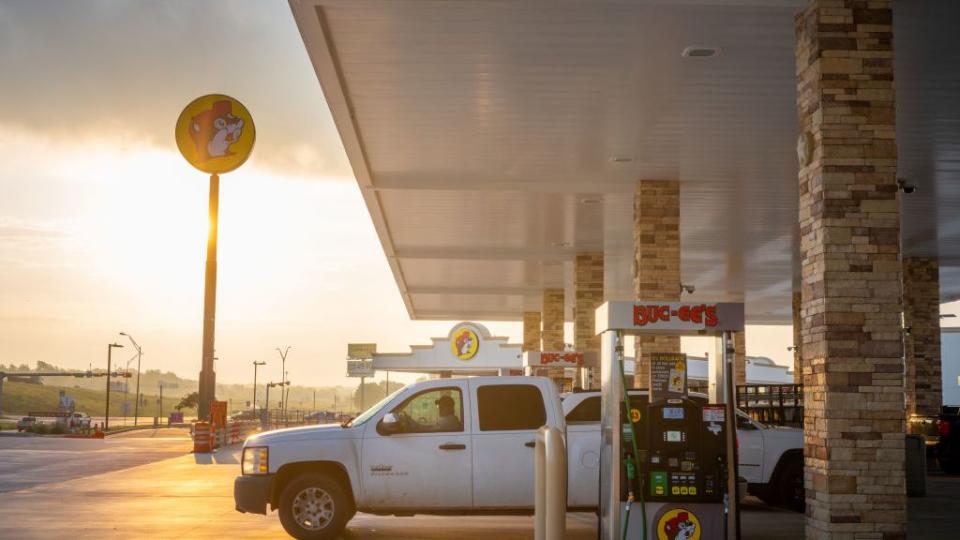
447	419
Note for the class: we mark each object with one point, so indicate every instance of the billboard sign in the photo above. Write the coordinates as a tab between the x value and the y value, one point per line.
361	351
360	368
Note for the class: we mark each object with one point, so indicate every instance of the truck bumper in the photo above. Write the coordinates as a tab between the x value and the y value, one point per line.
251	493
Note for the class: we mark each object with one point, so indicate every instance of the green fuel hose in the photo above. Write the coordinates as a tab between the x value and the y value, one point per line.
636	455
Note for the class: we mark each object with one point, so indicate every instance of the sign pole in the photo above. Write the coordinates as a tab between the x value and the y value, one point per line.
207	375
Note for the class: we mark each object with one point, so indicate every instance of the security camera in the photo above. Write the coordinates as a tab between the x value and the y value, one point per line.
688	288
903	186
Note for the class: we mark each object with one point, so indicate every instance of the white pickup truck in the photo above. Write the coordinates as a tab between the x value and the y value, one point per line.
444	446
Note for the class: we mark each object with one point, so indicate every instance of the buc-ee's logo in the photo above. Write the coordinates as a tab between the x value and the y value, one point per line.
678	524
565	357
702	314
465	344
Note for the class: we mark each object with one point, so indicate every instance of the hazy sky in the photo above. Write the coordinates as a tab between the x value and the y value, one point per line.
103	225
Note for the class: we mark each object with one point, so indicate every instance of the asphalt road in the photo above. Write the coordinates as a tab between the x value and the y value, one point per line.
28	461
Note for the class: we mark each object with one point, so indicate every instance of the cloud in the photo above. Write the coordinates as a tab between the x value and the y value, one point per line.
127	68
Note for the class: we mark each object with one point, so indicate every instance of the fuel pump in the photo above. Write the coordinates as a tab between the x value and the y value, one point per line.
666	467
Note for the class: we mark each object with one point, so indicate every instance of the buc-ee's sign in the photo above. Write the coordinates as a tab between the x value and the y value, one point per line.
560	359
654	313
669	317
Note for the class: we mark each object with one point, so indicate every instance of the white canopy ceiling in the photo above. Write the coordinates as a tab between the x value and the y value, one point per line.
493	140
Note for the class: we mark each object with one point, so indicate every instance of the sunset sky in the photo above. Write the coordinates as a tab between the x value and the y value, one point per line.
103	224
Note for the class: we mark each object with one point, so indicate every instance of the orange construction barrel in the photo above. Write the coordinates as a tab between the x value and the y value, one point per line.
201	437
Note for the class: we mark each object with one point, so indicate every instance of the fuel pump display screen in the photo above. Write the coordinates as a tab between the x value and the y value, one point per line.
674	436
673	413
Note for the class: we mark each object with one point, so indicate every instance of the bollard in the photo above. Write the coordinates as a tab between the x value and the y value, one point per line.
550	485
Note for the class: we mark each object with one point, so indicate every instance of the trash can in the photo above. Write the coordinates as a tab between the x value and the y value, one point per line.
916	463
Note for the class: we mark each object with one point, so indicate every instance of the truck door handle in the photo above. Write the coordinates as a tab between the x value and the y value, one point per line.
530	444
451	446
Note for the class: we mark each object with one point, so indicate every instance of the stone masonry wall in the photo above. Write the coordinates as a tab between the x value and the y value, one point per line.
553	316
921	314
531	331
797	341
588	295
656	272
849	248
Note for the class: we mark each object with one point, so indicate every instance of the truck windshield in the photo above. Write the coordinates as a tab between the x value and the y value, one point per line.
372	411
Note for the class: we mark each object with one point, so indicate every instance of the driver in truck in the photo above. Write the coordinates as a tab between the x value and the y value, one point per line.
447	419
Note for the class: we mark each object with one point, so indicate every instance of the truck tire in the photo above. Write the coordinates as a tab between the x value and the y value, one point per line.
790	490
314	506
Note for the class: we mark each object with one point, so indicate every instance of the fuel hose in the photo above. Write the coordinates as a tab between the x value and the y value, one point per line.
636	457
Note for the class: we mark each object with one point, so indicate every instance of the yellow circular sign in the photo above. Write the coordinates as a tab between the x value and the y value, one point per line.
464	344
635	415
215	133
678	524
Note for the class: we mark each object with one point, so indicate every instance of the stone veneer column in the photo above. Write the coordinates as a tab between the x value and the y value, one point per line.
921	314
531	331
656	269
740	356
588	295
849	250
553	316
797	342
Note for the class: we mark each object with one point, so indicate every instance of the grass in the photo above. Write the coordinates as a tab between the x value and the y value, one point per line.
20	398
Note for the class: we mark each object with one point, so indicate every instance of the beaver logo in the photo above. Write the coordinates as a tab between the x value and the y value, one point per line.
678	524
465	344
215	133
214	130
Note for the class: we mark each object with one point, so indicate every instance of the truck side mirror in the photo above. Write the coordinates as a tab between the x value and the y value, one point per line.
389	424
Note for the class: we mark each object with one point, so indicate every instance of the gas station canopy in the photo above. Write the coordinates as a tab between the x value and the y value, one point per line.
492	141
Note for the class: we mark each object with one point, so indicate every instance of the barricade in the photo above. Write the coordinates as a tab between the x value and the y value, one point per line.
234	432
202	438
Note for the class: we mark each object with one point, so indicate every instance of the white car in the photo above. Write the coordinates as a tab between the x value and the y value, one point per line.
771	458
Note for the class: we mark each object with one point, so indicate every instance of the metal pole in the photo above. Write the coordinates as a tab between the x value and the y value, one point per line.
136	406
106	420
387	392
160	416
362	379
2	377
207	375
733	485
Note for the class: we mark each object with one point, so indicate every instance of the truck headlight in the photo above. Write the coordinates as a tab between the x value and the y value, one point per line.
255	460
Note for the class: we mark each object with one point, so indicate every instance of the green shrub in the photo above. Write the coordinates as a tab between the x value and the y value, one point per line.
39	429
57	429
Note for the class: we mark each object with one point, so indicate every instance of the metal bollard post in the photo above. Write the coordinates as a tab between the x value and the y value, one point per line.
550	489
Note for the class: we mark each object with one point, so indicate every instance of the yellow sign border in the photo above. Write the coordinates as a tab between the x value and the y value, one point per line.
239	150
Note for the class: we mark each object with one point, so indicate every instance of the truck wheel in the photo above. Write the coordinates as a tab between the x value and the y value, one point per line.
314	507
790	486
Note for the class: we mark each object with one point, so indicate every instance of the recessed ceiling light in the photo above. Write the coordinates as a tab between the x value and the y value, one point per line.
621	159
700	52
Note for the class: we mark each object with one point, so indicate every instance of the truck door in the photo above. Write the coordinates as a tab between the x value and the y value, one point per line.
426	464
507	416
751	449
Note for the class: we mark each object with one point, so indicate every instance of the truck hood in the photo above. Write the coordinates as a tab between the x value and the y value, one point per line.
303	433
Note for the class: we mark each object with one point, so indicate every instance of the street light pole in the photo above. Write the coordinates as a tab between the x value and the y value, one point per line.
283	370
136	406
106	417
255	364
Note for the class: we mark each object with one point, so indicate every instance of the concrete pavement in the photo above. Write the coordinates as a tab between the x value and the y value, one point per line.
191	496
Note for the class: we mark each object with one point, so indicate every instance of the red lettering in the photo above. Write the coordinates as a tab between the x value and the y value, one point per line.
665	313
711	315
684	313
696	314
639	316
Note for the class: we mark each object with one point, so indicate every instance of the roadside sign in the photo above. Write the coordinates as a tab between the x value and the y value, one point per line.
361	351
215	133
360	368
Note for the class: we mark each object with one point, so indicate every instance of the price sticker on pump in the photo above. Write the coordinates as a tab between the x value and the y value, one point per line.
714	413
